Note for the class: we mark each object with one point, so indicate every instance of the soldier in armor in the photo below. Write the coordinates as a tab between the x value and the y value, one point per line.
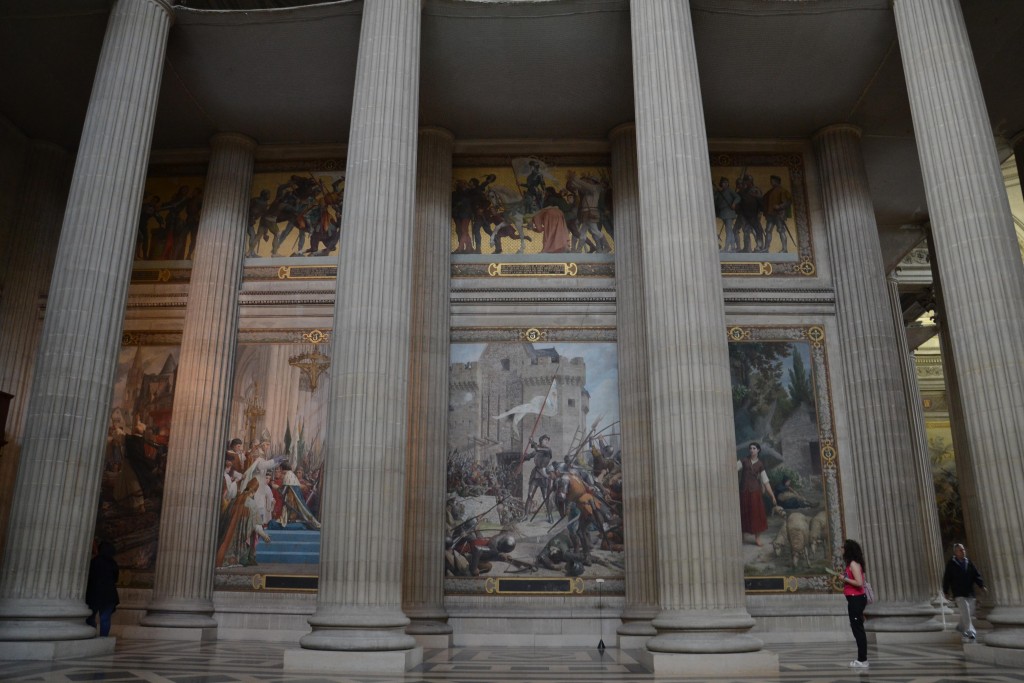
540	475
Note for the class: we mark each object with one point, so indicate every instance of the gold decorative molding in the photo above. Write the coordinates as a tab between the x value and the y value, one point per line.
532	269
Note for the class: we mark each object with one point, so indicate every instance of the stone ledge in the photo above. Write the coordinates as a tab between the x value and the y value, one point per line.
761	664
347	662
48	650
190	634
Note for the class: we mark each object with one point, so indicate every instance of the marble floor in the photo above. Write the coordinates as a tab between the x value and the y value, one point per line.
231	662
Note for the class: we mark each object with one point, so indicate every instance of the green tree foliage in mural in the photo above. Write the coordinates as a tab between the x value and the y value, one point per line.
758	394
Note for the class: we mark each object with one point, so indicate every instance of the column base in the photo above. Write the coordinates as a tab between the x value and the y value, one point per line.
169	633
633	642
433	641
350	662
760	664
1010	658
47	650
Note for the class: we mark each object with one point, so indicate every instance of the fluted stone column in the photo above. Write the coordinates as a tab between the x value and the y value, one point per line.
423	563
700	567
931	539
51	526
634	403
359	608
27	264
879	468
983	280
181	606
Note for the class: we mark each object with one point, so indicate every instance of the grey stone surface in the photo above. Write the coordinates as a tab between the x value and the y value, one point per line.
360	592
634	405
26	264
982	277
697	520
51	524
931	539
423	560
883	467
183	588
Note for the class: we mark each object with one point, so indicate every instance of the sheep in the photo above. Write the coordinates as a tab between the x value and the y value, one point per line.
819	534
798	534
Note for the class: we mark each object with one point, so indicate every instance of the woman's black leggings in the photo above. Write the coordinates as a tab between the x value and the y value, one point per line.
855	605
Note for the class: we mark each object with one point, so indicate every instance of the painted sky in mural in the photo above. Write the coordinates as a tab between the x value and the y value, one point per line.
530	206
534	475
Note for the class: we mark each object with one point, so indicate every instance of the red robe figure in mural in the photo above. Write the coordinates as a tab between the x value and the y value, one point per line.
550	222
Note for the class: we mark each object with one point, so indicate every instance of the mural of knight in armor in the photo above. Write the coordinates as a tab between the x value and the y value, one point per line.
528	206
761	213
273	464
295	214
169	218
788	489
131	492
534	483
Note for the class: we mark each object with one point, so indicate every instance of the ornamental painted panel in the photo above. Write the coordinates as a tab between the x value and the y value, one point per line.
785	451
534	478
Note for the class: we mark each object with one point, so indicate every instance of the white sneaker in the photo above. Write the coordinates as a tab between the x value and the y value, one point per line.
857	664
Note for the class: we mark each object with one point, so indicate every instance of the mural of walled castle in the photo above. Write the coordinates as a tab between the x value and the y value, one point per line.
534	463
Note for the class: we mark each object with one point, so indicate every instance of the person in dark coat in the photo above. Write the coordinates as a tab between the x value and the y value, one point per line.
960	578
101	589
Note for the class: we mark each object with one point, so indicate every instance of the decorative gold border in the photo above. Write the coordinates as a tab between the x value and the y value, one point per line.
492	586
790	584
259	583
532	269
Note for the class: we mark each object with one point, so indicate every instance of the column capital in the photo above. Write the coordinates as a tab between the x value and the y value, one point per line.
437	131
838	128
236	139
627	128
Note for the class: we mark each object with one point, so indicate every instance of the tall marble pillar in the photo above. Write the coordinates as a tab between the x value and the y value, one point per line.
27	264
634	403
359	619
879	468
983	281
425	467
181	606
51	525
931	539
702	615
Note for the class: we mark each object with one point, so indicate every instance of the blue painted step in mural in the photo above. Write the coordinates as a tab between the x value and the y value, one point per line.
289	546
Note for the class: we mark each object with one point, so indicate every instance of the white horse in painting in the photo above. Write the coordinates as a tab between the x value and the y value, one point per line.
588	191
511	207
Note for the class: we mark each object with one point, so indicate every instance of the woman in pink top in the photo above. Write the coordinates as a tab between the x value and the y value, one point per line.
856	600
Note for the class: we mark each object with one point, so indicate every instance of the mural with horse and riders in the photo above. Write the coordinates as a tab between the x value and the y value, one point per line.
528	206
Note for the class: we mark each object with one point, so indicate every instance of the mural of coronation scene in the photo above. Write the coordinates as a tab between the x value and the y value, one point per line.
534	476
528	206
272	465
291	214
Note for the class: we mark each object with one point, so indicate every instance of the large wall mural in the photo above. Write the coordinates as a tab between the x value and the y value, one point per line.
273	465
528	207
534	483
169	218
762	219
786	449
295	213
135	460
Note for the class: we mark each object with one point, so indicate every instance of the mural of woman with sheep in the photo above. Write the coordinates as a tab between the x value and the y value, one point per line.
753	486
